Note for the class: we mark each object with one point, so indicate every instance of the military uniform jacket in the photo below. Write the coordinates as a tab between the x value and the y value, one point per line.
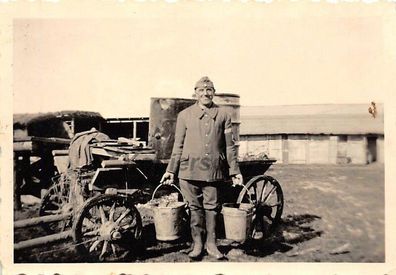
204	148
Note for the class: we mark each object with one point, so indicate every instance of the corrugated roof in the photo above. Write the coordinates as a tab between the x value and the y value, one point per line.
350	119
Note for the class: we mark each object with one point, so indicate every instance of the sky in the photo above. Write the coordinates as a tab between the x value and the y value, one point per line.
269	56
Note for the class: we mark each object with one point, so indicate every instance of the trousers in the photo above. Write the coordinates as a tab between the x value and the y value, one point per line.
200	195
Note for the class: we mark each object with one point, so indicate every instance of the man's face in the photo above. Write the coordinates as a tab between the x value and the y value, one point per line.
205	95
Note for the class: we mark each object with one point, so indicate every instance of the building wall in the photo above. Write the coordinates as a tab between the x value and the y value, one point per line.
275	147
310	149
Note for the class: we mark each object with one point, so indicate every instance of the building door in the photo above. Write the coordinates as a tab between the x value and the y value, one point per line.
342	150
319	149
297	149
372	149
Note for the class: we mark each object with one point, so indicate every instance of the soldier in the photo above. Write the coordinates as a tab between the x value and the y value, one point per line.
203	156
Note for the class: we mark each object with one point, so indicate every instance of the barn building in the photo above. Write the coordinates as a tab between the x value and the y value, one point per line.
313	134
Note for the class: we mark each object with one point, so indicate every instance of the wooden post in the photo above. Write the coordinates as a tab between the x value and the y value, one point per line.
43	240
17	183
38	220
22	172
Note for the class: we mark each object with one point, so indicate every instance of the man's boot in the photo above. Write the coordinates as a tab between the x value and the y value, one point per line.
211	247
197	230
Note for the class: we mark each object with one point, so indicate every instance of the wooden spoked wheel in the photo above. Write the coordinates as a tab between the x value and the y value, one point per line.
266	194
56	201
107	228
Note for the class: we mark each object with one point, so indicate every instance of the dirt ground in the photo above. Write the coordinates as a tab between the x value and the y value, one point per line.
331	214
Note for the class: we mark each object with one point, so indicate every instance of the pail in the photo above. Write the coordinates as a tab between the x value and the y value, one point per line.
237	220
168	219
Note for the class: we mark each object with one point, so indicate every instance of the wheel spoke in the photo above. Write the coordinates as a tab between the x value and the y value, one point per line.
91	233
111	214
94	245
263	193
102	214
104	248
113	248
269	194
259	190
129	225
131	222
123	215
273	205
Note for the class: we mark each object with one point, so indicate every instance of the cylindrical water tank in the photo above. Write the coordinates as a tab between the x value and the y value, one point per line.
163	116
230	102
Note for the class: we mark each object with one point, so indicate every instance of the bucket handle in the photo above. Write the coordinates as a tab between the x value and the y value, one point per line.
248	196
243	187
247	192
174	186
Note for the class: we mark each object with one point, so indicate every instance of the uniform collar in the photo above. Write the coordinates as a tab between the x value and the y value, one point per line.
212	111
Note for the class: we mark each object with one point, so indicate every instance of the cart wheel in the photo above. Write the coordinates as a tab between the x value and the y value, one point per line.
107	228
266	194
56	201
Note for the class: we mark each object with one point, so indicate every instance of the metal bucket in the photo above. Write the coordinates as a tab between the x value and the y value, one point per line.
163	116
237	220
168	220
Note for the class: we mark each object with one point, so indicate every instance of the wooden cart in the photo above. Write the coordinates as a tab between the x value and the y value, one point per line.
96	206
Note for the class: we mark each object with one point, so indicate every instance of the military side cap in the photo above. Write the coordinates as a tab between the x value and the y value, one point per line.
204	82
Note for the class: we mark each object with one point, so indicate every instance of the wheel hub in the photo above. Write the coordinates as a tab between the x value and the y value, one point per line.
108	231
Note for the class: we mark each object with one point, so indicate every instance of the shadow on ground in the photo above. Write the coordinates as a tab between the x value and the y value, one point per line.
292	230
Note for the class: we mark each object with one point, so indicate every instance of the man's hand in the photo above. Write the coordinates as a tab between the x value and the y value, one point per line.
237	180
168	178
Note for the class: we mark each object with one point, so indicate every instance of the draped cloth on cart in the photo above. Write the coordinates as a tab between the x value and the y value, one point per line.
80	154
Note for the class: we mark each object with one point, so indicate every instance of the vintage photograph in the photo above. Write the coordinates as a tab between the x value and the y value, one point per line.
254	135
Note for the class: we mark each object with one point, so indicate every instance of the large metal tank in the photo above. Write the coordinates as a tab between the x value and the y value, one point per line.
230	102
163	116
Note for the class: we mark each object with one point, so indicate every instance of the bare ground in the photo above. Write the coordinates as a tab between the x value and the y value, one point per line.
331	214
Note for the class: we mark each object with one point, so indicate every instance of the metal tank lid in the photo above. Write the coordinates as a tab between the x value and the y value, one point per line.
227	94
174	98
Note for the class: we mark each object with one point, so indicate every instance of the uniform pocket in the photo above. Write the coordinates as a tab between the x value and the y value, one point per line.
184	157
184	164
